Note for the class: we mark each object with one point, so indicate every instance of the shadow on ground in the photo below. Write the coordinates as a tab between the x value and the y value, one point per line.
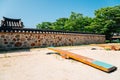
3	51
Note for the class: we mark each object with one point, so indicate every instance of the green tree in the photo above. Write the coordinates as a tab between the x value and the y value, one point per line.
59	24
77	22
106	21
44	25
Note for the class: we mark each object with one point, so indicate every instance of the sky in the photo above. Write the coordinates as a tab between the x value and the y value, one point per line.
33	12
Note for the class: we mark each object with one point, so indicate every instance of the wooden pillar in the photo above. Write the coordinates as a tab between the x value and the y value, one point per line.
11	23
17	24
20	23
6	23
14	24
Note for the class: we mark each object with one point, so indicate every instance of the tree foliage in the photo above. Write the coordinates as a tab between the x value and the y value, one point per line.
44	25
75	22
106	21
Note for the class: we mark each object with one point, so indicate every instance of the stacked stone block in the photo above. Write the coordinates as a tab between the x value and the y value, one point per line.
28	40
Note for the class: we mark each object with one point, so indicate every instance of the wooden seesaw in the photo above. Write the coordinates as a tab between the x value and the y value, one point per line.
91	62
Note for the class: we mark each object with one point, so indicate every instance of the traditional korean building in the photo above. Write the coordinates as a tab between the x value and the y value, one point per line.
9	23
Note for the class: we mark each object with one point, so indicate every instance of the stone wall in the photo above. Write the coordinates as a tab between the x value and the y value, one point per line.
27	40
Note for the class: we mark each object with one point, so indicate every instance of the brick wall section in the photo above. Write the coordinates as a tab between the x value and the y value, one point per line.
28	40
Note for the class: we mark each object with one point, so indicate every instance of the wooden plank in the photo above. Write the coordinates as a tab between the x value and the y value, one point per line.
89	61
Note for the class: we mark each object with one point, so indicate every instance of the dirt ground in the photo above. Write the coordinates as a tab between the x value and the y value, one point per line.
36	64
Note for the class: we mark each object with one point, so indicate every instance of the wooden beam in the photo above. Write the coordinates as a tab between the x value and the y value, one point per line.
89	61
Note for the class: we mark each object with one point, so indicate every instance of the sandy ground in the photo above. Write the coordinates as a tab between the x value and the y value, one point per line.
35	64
